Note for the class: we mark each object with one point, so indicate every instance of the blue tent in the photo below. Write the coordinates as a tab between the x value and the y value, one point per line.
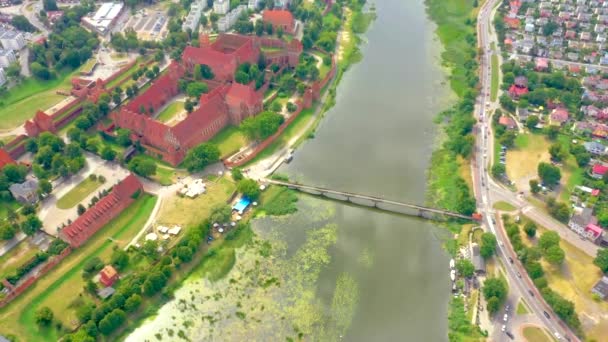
242	204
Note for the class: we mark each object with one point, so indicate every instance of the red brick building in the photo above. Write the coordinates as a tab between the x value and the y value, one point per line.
279	19
87	224
226	103
5	158
108	276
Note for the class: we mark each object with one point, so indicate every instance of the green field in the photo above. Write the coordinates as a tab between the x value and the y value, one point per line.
504	206
78	193
494	84
522	308
16	257
229	141
65	280
22	101
535	334
170	111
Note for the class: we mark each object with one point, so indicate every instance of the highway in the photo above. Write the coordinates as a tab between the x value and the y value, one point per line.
486	189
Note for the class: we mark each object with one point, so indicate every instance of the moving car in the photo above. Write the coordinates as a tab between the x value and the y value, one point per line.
505	318
546	315
510	335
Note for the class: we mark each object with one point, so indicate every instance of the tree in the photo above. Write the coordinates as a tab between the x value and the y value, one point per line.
142	166
249	188
498	170
262	125
465	268
49	5
530	229
120	259
201	156
195	89
549	174
112	321
237	174
123	136
508	139
133	302
220	213
108	153
7	231
241	77
557	152
555	255
601	259
494	288
534	186
21	23
44	316
488	245
81	209
552	132
31	225
184	253
548	239
15	173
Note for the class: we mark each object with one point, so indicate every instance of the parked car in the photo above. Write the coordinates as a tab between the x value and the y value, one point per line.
510	335
504	328
546	314
505	318
531	293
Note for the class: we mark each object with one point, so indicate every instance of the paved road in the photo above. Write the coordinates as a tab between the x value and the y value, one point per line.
519	283
567	63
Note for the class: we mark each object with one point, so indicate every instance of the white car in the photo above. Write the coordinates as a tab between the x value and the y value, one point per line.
505	318
504	328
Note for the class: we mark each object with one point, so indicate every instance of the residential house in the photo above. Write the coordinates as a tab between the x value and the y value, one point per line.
26	192
541	64
601	288
593	232
522	114
507	121
594	147
108	276
2	77
598	171
558	116
519	87
579	221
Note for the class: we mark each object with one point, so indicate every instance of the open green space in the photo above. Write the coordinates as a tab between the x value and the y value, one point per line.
504	206
126	75
324	69
522	307
535	334
65	280
170	111
78	193
164	175
494	83
89	65
16	257
6	206
229	140
22	101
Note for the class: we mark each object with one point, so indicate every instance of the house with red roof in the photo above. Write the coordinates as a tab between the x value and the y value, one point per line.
107	208
507	121
559	116
5	158
541	64
282	19
108	276
517	91
512	23
593	232
598	171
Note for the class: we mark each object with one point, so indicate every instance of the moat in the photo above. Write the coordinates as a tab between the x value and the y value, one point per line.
337	271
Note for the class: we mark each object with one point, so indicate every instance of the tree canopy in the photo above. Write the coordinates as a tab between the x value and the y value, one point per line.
201	156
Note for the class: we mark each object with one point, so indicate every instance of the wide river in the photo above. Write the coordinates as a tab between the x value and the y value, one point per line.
343	272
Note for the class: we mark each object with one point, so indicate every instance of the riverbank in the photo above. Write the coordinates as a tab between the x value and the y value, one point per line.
449	175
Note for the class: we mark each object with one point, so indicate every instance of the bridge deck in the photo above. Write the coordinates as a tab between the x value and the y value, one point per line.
375	199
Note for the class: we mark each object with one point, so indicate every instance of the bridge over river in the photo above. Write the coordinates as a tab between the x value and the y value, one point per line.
373	201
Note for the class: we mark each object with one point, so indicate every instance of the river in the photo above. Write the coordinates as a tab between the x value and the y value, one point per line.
338	272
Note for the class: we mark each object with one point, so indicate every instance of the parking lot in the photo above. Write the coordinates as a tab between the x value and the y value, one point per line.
149	25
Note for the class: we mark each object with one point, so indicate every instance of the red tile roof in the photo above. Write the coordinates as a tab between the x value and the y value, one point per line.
279	18
594	229
110	206
5	158
516	91
599	169
223	65
108	275
560	115
240	93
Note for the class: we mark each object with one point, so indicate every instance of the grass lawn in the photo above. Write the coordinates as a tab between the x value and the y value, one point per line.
229	140
164	176
170	111
464	169
127	74
494	84
16	257
88	66
22	101
186	211
18	317
574	280
78	193
522	307
6	206
504	206
535	334
522	161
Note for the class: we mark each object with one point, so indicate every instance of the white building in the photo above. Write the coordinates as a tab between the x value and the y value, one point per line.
12	40
105	17
282	3
254	5
221	6
2	77
7	57
225	23
194	17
